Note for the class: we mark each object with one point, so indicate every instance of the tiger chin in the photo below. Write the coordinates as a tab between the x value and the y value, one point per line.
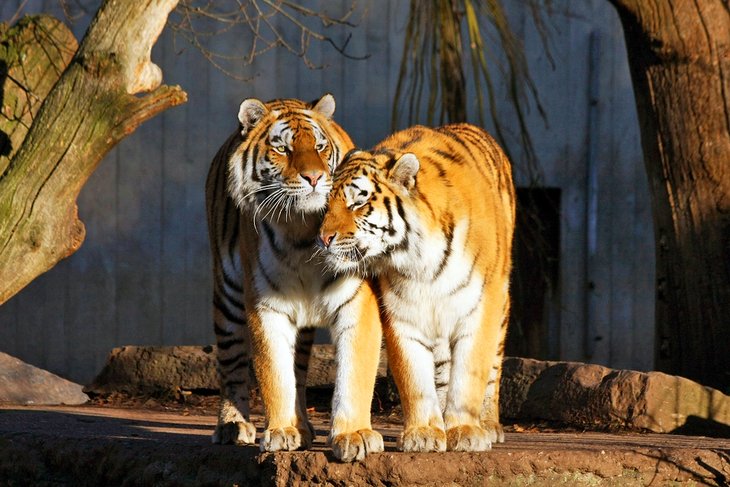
266	192
431	214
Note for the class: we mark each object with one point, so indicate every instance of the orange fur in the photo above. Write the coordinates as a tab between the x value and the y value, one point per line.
266	191
431	213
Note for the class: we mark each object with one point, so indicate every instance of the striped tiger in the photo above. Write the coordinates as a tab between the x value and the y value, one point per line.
431	213
266	191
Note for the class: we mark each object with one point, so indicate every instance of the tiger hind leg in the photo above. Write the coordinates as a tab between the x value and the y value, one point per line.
489	417
302	353
234	363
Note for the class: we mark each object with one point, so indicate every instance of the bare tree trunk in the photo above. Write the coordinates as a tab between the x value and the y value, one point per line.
93	106
679	53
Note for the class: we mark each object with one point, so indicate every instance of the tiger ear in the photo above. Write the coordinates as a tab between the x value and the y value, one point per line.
325	105
250	112
405	169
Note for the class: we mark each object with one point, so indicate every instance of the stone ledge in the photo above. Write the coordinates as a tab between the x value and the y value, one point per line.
102	446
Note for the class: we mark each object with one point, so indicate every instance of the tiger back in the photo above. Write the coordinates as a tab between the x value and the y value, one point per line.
431	214
266	191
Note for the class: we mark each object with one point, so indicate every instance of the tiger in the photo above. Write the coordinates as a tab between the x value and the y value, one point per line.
430	214
266	192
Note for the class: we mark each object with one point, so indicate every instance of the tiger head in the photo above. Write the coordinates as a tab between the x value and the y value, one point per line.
366	224
287	153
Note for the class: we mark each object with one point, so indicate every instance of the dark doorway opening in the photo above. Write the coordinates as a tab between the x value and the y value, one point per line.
534	287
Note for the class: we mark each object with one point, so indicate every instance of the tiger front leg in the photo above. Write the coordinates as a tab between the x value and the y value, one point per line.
476	363
412	365
273	339
357	335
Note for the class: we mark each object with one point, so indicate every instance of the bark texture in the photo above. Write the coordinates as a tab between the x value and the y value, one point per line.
95	103
679	54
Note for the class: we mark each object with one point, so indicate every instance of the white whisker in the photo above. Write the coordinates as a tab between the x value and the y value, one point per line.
269	199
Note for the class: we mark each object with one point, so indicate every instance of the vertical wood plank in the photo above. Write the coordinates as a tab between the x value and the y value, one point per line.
573	238
600	189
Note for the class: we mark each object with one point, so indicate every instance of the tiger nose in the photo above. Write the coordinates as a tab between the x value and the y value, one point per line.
325	239
311	176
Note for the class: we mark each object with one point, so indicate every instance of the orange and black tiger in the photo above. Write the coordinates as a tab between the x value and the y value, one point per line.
266	192
431	214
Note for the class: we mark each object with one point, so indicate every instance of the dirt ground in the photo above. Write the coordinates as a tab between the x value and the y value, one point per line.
123	441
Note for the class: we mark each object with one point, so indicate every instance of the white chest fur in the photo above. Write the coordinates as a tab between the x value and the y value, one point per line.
437	290
296	284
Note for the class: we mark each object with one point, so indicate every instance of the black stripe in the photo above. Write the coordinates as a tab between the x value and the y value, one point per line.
329	281
273	285
349	300
420	342
402	212
232	284
228	314
449	234
220	332
254	159
404	242
232	299
386	203
449	156
224	225
465	282
443	176
476	305
225	345
269	232
233	360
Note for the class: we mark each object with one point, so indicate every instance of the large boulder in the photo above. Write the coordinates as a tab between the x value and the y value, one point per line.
593	396
154	370
24	384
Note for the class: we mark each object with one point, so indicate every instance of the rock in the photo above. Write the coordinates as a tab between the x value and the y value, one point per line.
154	370
593	396
581	395
24	384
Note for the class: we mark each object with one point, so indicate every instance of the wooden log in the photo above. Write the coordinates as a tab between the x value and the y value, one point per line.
96	102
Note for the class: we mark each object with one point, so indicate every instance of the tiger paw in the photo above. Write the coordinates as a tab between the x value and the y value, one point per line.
468	438
234	433
495	430
287	438
355	446
422	439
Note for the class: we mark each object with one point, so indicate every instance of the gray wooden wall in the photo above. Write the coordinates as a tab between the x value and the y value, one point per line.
142	275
